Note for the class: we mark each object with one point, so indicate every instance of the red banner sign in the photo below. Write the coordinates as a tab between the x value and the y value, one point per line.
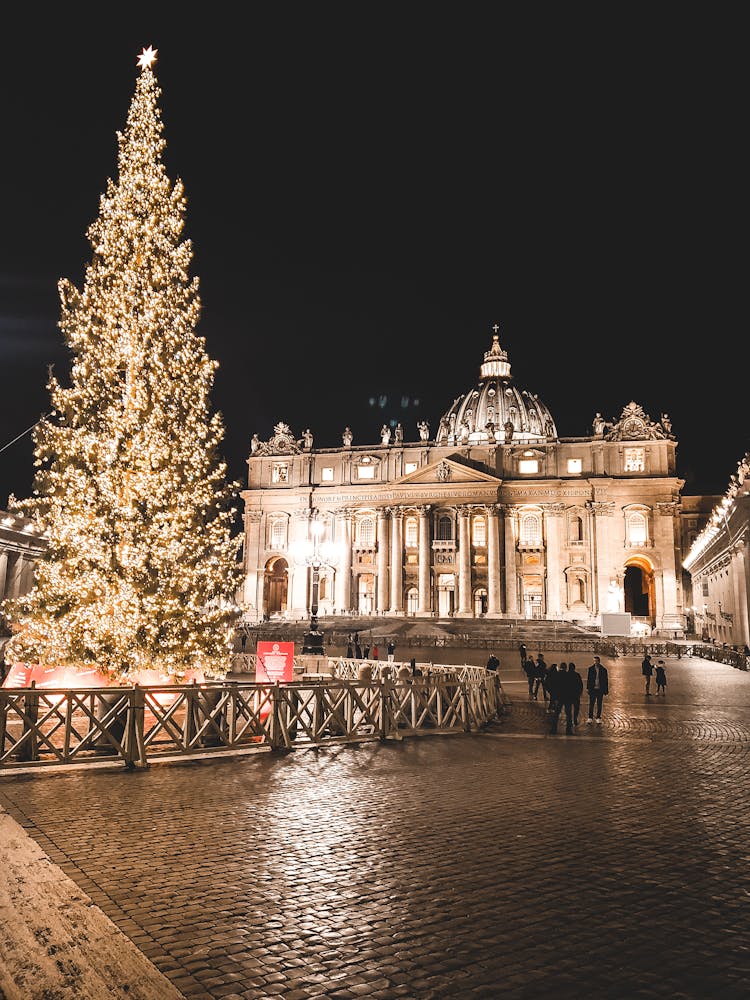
274	662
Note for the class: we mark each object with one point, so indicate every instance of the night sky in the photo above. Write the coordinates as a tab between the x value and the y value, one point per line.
370	189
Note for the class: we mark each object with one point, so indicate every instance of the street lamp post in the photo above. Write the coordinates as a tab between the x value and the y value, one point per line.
313	641
315	554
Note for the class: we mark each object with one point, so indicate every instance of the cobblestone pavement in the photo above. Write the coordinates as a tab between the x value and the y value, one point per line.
511	863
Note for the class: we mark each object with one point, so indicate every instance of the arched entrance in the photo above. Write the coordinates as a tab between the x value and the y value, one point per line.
275	587
639	590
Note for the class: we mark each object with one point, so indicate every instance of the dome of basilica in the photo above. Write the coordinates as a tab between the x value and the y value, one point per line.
495	410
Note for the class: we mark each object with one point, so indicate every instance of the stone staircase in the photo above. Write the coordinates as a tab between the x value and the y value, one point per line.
434	632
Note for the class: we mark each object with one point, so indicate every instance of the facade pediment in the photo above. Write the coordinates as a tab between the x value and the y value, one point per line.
446	471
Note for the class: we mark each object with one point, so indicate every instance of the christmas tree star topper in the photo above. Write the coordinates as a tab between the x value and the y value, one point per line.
147	57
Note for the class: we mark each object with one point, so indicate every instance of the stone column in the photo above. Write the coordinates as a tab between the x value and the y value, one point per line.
3	573
465	609
397	570
741	596
666	531
425	604
252	588
553	516
299	573
511	580
383	543
601	513
344	566
13	579
494	608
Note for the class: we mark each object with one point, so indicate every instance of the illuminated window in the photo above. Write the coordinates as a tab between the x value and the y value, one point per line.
280	472
445	529
366	533
635	460
365	472
411	532
410	467
528	466
278	535
479	531
574	466
637	527
326	474
531	530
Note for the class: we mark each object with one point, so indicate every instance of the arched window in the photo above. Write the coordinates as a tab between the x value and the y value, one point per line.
278	535
366	533
531	530
445	528
637	527
411	532
575	528
412	600
479	531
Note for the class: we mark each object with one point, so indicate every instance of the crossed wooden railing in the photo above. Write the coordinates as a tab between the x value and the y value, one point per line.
43	726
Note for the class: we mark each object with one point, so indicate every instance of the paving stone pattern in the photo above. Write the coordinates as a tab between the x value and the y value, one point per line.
511	863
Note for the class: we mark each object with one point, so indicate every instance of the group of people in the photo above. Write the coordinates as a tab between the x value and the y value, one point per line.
562	689
355	651
658	672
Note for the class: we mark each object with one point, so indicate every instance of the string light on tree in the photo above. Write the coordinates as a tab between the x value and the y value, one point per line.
130	487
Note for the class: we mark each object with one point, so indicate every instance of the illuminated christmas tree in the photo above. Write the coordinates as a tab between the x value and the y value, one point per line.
130	488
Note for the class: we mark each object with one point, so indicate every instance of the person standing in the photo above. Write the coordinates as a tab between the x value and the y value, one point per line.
575	682
559	685
376	652
647	669
522	653
597	685
391	647
540	679
530	671
661	678
493	663
553	688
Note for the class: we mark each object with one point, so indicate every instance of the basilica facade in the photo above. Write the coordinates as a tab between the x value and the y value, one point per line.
494	515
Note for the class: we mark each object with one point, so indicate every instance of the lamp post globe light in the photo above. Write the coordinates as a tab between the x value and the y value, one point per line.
315	553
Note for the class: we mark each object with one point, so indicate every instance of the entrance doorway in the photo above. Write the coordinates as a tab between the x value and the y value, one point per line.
275	587
639	590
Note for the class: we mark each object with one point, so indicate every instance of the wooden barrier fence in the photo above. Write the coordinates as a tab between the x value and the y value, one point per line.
137	724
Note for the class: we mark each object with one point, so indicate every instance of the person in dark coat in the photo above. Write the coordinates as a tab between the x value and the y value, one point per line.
597	685
647	669
553	689
493	663
559	686
522	653
661	678
540	678
575	683
530	669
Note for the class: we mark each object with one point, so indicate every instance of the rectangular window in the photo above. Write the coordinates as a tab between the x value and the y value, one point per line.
410	467
635	460
365	472
574	466
326	474
528	466
280	472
